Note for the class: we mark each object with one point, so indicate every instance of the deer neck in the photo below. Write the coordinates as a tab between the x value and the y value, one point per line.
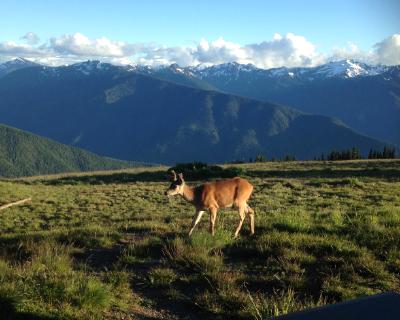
188	193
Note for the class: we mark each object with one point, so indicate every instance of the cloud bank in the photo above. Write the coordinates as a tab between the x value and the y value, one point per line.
288	50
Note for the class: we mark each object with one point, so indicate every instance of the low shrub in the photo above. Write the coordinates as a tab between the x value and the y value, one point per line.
161	277
201	170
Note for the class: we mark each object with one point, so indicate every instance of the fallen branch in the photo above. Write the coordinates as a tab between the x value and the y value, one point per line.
5	206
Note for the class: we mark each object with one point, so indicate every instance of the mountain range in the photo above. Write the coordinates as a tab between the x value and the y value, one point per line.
133	113
25	154
364	97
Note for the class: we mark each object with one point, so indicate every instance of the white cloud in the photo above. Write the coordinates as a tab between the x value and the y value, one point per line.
385	52
388	50
220	51
167	55
80	45
31	38
121	61
351	51
13	48
288	50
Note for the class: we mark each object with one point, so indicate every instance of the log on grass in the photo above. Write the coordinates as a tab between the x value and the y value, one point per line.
5	206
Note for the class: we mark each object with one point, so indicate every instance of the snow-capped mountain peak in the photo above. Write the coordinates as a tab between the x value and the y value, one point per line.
15	64
175	67
20	61
91	66
348	69
223	70
335	69
231	71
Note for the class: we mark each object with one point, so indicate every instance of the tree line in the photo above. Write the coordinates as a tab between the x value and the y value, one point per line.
387	153
354	154
262	158
335	155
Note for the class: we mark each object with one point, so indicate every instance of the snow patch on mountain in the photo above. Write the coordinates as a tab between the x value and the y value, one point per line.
90	66
348	69
231	70
337	69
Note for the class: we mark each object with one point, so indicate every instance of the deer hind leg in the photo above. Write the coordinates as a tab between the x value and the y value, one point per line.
242	215
213	217
196	220
250	212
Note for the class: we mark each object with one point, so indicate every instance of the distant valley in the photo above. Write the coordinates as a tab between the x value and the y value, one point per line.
26	154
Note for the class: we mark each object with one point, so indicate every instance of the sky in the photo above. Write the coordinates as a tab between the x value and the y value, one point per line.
265	33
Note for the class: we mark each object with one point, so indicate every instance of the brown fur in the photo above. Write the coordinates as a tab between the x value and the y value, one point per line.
214	195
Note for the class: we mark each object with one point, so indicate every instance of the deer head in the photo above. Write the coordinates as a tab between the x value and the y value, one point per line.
176	186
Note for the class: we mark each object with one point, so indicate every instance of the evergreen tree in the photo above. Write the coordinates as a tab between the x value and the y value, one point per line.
260	158
393	153
355	153
370	154
385	153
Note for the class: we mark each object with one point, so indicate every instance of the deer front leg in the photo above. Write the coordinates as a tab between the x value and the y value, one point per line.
196	220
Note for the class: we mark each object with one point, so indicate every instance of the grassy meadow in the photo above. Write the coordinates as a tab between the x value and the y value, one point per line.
110	245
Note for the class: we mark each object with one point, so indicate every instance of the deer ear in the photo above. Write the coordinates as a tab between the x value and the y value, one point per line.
173	177
181	177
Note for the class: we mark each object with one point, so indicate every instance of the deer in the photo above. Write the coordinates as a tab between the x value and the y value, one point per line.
213	196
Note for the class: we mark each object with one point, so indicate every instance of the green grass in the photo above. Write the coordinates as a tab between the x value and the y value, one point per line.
110	245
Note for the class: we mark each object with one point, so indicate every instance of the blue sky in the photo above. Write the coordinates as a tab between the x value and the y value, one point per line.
327	25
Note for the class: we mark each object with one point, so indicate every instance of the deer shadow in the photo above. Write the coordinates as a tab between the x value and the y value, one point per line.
8	312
